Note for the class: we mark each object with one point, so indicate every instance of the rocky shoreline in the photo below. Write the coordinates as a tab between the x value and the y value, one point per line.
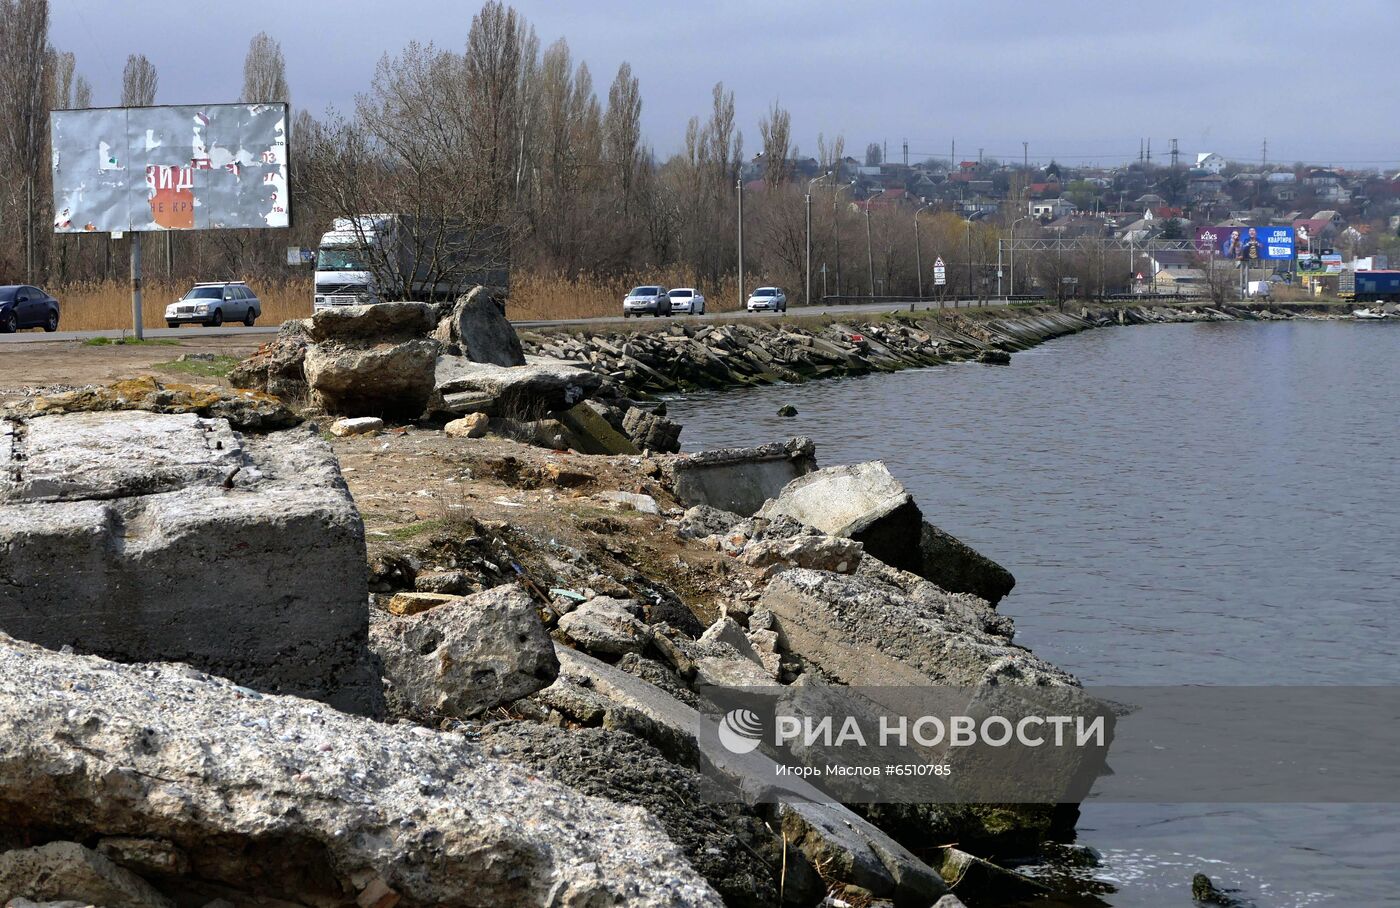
677	357
462	648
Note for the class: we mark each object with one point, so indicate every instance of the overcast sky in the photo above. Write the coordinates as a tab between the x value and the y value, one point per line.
1079	80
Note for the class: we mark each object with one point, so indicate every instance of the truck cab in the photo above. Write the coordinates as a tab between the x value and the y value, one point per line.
344	269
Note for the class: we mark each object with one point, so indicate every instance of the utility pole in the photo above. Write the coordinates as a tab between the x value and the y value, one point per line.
869	247
136	283
1149	151
906	152
808	272
1265	160
969	258
740	184
918	253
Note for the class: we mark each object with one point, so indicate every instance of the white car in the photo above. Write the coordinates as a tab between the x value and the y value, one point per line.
689	300
767	299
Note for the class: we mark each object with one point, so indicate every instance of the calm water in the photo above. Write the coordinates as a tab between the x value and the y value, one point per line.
1199	504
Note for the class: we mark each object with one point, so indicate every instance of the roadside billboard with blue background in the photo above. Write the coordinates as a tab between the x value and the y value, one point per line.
1245	243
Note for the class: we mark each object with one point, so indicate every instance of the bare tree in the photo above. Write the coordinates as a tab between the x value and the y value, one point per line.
873	155
82	92
775	129
622	131
139	82
264	71
63	66
495	44
25	92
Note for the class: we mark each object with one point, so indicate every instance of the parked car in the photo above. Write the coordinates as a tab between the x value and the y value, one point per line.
687	299
25	306
649	300
213	303
767	298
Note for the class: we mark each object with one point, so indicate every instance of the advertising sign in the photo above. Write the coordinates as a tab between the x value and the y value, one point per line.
1246	243
194	167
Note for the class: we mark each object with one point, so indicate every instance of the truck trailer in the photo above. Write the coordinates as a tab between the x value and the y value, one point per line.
372	258
1369	286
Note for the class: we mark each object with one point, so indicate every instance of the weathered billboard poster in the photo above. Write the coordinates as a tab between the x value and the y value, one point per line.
196	167
1250	244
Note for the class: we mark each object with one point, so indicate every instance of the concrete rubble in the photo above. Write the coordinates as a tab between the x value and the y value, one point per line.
740	480
114	526
545	674
865	503
282	798
465	655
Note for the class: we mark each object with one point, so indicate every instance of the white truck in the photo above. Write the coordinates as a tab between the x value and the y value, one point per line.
372	258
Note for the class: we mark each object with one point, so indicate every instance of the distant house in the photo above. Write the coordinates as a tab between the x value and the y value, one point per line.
1170	260
1050	209
1210	161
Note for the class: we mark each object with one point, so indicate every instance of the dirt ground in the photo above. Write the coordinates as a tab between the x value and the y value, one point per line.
71	363
546	511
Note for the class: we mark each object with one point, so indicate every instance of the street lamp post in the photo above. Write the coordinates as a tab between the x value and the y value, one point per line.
918	253
808	297
970	289
836	229
869	248
740	185
1012	291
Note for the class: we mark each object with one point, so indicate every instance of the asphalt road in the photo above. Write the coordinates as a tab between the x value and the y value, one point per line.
39	336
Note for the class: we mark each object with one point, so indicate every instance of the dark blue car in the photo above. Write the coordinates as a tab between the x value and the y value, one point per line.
23	306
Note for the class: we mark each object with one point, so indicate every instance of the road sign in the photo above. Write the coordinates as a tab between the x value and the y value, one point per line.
940	273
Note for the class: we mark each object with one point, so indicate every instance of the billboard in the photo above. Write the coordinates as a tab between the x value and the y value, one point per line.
196	167
1245	243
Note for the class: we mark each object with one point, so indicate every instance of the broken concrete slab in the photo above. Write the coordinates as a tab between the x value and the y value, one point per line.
282	798
590	433
388	379
652	431
464	656
866	503
864	631
823	831
371	324
742	479
461	386
606	626
473	425
413	603
247	411
357	425
478	329
67	870
144	536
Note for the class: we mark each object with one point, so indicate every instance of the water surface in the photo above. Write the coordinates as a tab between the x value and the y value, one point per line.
1180	504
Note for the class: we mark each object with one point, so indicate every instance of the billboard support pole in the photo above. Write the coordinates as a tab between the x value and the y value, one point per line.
136	283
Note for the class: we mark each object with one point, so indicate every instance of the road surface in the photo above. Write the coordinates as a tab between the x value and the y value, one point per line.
39	336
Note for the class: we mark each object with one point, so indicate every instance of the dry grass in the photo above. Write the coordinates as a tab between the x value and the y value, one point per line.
543	296
107	306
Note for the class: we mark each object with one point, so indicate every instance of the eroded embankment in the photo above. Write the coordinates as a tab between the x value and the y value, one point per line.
678	356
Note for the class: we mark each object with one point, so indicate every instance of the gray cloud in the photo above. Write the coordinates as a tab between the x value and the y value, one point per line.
1080	81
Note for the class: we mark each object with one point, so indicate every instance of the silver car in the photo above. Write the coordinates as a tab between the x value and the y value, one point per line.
213	303
647	300
771	299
